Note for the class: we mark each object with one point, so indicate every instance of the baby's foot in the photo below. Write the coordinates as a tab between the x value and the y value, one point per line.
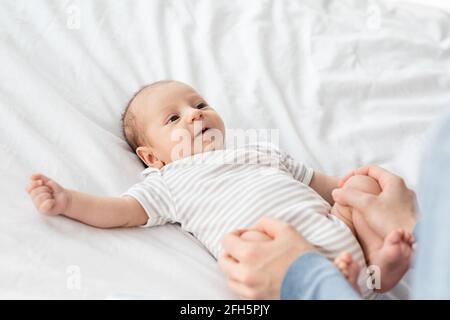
349	269
393	258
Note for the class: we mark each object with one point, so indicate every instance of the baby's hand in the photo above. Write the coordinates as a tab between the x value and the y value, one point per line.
48	196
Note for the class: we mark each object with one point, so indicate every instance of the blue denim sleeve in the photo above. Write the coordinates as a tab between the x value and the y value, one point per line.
312	277
416	231
431	272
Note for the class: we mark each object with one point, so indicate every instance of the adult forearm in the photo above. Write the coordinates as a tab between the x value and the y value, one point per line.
313	277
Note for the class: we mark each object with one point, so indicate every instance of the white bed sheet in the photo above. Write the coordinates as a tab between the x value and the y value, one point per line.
346	82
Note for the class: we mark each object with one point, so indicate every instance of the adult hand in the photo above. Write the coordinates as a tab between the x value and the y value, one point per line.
255	268
392	209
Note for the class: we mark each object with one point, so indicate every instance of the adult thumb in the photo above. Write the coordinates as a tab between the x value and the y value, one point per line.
354	198
272	227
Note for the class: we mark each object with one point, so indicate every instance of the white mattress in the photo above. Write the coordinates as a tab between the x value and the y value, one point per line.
346	82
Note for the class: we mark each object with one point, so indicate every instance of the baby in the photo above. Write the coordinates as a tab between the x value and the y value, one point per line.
192	179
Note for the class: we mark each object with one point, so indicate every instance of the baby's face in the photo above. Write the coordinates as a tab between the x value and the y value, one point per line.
176	122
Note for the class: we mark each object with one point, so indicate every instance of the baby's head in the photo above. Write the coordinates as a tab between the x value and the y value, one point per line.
168	120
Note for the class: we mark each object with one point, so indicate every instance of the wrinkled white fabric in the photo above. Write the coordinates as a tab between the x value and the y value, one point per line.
346	82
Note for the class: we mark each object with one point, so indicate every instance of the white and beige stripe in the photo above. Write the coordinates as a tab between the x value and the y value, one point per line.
216	192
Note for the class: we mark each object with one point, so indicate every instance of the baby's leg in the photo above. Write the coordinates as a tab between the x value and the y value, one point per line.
345	215
393	258
368	238
391	254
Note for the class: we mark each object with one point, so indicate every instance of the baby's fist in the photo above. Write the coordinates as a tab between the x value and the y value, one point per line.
48	196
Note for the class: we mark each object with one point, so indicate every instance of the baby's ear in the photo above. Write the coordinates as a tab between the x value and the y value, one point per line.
149	158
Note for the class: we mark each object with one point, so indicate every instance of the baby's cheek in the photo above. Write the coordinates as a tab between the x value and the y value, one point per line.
254	236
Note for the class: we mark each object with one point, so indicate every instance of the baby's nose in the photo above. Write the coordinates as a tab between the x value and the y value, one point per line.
195	115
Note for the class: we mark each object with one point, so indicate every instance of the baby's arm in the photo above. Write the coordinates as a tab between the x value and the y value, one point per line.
103	212
324	185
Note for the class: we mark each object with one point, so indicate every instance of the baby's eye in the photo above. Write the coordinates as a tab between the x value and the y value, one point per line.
173	118
201	106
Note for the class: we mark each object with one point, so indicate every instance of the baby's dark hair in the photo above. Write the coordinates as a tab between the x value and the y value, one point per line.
133	135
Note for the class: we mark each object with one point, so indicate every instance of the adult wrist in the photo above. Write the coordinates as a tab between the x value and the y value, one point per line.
299	274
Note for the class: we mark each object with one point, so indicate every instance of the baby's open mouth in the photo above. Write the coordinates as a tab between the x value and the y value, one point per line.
202	132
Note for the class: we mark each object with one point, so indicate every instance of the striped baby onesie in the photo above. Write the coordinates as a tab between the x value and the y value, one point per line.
213	193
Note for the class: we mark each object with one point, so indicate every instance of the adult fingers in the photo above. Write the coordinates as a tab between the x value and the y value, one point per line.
244	291
354	198
344	179
383	176
230	267
239	249
273	227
